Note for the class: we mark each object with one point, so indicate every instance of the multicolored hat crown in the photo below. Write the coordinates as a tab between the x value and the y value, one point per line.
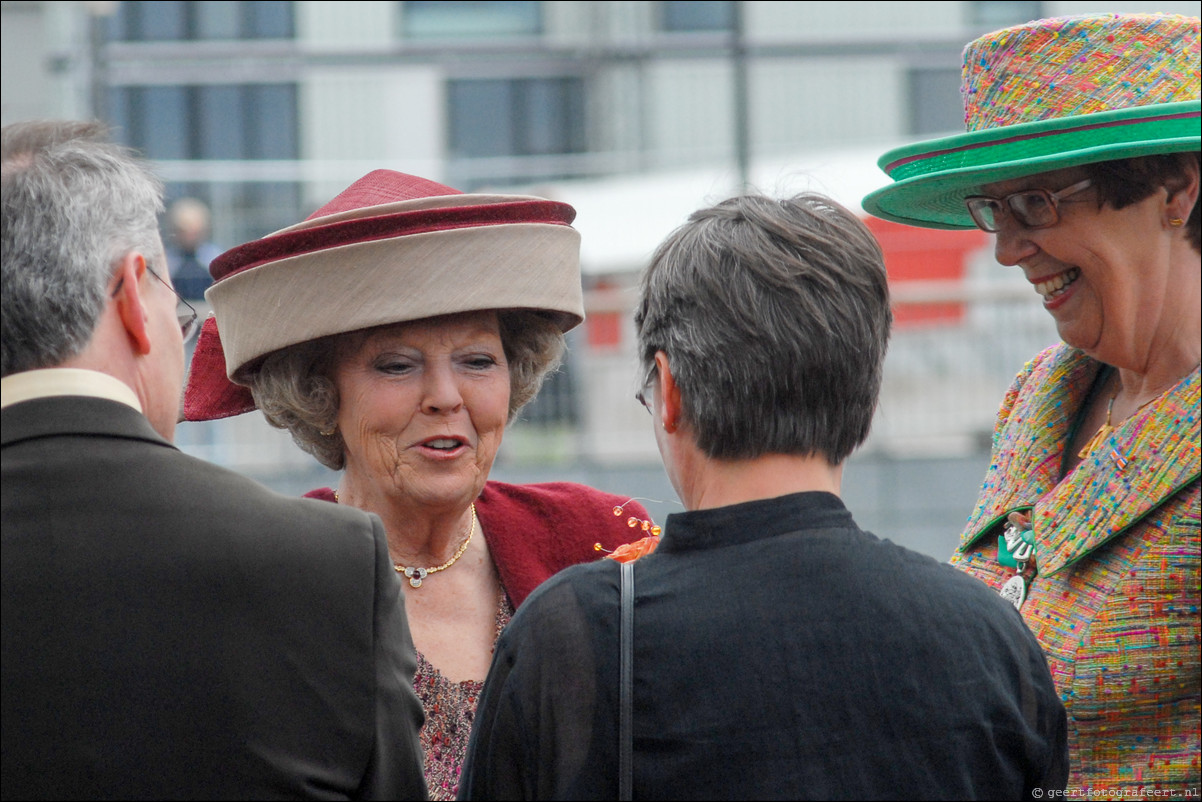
1047	95
1078	65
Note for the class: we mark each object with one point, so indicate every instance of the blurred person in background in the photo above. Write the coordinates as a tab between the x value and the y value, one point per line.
189	250
171	630
1082	156
395	334
779	651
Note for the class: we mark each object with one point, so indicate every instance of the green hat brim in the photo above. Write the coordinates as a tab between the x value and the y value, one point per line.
931	179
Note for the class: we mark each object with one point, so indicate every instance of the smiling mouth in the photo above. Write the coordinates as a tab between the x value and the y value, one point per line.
443	444
1056	285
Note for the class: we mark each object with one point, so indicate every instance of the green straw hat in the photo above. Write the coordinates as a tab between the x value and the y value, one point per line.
1051	94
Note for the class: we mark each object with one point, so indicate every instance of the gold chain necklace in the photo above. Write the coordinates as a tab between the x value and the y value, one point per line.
416	575
1106	429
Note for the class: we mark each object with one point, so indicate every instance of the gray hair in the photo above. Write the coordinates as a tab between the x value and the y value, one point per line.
775	318
74	204
294	387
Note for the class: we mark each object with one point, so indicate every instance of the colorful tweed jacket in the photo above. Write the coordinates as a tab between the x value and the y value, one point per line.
1115	596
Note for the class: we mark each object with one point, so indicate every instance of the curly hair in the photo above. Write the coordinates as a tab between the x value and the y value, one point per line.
294	387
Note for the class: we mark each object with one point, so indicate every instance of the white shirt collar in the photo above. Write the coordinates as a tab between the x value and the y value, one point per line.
50	382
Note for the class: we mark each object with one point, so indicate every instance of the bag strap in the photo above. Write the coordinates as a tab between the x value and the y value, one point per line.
625	701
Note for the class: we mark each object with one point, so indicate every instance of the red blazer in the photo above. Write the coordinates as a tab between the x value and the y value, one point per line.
536	530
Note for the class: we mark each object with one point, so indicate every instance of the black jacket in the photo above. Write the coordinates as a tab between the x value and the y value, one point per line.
174	630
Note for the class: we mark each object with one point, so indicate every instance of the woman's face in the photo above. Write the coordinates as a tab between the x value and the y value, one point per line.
423	406
1103	273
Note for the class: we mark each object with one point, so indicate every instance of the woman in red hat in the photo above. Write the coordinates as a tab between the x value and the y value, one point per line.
1082	157
394	334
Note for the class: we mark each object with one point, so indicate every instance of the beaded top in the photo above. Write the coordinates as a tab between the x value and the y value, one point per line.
450	709
1069	66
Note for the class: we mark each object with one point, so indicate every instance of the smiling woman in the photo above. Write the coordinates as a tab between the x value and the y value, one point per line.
395	333
423	404
1082	157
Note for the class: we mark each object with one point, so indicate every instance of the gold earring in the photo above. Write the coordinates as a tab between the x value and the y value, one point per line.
1176	222
329	433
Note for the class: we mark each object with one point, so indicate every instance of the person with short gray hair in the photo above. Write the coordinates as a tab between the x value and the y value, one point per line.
170	629
731	296
777	651
73	203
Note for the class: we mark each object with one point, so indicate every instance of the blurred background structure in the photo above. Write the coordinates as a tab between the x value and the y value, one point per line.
634	112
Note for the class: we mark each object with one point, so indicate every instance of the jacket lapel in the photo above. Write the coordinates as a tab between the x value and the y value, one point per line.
1150	457
1147	460
1030	449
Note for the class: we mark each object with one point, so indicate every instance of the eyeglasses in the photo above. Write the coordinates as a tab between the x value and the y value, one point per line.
188	317
641	395
1032	208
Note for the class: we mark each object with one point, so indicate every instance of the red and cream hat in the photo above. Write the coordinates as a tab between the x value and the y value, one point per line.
390	248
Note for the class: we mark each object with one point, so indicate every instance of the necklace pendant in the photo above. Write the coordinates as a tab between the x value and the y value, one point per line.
1015	591
416	575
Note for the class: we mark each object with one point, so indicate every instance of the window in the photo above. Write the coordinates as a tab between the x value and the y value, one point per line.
176	20
218	122
1001	13
237	121
516	117
450	18
935	104
679	16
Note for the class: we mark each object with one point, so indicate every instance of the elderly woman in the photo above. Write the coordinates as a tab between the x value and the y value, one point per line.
778	651
395	333
1082	157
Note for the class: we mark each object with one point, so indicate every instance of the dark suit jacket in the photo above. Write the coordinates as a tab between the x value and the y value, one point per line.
174	630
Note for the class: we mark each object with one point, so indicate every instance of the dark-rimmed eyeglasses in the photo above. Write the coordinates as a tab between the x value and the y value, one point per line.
1031	208
187	316
641	395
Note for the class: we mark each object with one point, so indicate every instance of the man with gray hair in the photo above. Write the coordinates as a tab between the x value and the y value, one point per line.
170	629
